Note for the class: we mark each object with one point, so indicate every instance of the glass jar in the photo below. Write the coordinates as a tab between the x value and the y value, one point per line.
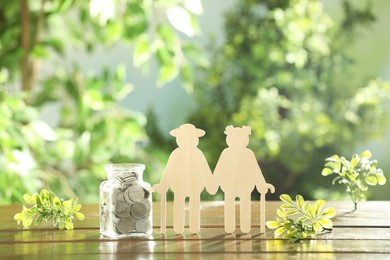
125	202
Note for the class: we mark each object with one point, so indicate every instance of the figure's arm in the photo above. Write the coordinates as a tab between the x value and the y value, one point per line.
207	177
216	177
164	184
211	182
261	185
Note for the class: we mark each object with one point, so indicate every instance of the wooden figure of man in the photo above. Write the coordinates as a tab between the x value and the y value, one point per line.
238	173
187	173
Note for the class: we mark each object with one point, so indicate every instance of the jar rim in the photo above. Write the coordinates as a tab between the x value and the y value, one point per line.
135	166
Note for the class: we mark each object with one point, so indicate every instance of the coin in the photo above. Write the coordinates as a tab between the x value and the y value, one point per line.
124	225
116	196
139	210
122	209
142	225
134	193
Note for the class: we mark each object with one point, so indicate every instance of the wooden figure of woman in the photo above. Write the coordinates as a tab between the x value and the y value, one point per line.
238	173
187	173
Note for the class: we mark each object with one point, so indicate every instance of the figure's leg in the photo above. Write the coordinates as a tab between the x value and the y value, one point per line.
179	214
230	214
245	213
194	214
262	212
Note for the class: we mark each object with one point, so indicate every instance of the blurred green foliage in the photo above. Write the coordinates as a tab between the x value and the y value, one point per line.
68	156
285	70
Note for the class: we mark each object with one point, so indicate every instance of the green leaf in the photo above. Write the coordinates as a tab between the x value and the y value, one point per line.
287	206
141	52
333	158
317	226
291	211
167	73
54	43
272	224
39	51
363	186
39	219
27	221
181	20
336	179
187	77
19	216
279	231
44	194
80	216
76	207
328	213
371	180
166	34
37	198
327	171
318	206
311	211
366	154
281	213
306	205
286	198
68	225
299	200
29	198
56	200
135	23
355	161
326	222
381	179
67	203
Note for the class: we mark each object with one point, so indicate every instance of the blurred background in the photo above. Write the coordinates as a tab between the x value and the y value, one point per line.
88	83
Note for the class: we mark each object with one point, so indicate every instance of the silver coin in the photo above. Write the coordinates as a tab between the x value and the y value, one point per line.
142	225
122	209
124	225
134	193
117	180
139	210
129	177
117	196
147	203
130	181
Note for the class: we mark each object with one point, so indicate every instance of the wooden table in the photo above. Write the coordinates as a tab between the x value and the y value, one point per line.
364	234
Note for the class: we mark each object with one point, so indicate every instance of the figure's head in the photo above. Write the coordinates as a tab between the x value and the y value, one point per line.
237	136
187	135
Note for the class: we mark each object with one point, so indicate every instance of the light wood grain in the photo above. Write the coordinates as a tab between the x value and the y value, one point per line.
237	173
355	236
187	173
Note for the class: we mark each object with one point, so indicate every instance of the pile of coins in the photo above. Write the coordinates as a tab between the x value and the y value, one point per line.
129	205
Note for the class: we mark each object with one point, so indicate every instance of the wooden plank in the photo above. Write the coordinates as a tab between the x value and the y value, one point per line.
197	246
369	214
363	234
90	235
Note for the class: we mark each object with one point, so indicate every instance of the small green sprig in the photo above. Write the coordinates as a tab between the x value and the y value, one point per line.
301	220
356	174
46	206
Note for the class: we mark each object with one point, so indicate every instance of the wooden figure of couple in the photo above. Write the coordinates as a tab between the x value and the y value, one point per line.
187	173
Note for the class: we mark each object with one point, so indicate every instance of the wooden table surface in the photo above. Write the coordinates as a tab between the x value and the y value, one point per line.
364	234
